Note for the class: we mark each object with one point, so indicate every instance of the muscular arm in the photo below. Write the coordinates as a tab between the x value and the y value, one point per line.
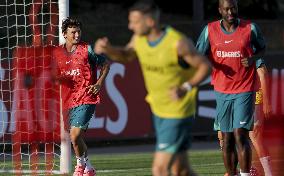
187	51
119	54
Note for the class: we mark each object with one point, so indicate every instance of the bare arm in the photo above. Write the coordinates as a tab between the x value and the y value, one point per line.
119	54
263	77
187	51
103	73
94	89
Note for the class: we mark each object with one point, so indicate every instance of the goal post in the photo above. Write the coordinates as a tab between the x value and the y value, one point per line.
65	157
32	135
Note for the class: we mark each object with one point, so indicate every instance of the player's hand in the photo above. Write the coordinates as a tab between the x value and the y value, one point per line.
246	62
267	109
101	45
177	93
94	89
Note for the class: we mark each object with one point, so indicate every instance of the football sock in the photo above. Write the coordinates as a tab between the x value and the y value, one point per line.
265	162
80	161
88	164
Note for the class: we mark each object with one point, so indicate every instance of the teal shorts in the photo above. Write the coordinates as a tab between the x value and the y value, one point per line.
172	135
235	113
81	115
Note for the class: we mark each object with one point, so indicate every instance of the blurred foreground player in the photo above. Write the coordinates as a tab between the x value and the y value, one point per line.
172	69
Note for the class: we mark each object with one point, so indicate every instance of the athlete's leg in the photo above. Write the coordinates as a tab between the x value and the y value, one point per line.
180	165
161	163
234	157
223	122
79	120
261	150
229	152
258	144
244	151
79	149
242	124
78	143
173	138
256	135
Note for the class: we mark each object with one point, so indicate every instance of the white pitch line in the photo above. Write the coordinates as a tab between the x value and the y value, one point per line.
142	169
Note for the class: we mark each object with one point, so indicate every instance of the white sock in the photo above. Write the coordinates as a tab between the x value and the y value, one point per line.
265	162
245	174
80	161
88	164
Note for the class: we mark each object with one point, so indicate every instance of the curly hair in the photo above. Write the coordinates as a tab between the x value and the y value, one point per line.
70	22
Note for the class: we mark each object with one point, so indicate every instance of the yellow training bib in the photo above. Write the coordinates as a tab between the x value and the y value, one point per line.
161	72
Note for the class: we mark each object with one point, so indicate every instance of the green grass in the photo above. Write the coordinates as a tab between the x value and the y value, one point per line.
139	164
204	163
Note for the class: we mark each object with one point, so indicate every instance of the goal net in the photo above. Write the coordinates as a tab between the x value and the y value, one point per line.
31	130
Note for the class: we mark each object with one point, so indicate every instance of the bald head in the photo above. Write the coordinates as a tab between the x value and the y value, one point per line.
221	2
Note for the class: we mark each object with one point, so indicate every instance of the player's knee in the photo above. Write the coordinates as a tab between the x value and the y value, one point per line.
228	143
74	137
180	172
241	139
159	170
241	136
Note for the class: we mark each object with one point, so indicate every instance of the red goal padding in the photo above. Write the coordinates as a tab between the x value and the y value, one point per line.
35	96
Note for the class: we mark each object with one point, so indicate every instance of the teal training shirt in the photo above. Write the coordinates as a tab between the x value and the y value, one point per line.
95	59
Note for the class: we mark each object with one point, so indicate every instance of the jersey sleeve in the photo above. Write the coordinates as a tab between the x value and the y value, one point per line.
259	62
257	39
202	44
95	59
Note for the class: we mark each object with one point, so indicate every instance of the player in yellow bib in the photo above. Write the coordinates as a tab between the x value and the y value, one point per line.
172	69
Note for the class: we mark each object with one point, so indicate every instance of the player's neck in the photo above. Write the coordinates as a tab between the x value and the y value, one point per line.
70	47
230	27
155	34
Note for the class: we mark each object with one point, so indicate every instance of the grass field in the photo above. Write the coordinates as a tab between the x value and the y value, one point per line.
139	164
204	163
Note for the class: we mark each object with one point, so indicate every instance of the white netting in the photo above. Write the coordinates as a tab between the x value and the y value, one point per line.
29	104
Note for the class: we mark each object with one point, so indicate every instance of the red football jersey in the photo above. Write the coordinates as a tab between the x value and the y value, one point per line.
76	74
227	50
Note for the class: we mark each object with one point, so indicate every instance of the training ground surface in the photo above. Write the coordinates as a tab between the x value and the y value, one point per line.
204	157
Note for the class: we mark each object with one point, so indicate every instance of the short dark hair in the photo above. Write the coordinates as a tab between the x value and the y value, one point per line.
222	1
147	7
70	22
